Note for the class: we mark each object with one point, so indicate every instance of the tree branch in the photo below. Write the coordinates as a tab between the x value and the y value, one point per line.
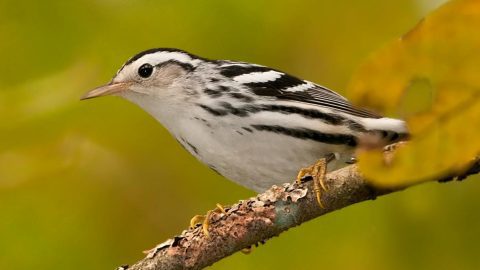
264	216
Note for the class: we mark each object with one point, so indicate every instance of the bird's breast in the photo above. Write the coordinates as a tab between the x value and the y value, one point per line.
250	156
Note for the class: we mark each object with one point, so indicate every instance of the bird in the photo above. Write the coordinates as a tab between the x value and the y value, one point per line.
255	125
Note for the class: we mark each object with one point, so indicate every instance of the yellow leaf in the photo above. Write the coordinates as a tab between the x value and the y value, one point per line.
431	78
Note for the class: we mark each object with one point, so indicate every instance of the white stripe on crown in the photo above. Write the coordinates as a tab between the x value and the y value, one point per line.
160	57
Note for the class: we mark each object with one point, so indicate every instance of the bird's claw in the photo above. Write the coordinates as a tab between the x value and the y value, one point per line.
204	220
249	249
318	172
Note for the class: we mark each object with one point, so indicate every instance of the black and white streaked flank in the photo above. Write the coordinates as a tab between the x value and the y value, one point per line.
252	124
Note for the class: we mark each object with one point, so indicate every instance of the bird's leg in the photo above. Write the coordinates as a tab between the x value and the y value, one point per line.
220	209
318	172
205	219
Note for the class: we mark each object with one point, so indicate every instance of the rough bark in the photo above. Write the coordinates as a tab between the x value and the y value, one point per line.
264	216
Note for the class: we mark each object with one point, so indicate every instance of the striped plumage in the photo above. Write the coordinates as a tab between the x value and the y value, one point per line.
252	124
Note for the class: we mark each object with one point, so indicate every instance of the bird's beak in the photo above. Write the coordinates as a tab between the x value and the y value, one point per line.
105	90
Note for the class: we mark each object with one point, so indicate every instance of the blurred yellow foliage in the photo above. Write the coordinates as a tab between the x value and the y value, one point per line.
429	77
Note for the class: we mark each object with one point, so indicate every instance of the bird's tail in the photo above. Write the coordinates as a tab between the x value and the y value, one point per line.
383	131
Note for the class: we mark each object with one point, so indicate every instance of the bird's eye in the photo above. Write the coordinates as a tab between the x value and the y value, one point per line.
145	70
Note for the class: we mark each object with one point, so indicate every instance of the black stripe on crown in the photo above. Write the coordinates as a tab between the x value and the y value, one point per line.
185	66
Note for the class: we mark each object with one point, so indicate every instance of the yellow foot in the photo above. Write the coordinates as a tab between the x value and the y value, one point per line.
249	249
317	172
205	219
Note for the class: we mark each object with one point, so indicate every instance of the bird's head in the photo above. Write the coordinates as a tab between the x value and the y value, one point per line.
153	75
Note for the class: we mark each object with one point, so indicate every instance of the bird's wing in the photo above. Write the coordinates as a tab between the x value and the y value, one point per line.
324	97
294	89
265	81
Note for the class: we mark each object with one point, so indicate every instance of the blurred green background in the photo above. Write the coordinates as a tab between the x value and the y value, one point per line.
89	185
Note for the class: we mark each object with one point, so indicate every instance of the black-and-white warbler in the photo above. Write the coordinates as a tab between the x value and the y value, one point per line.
252	124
